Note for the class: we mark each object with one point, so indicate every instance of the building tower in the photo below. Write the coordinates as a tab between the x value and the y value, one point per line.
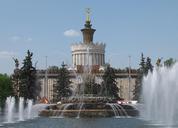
88	52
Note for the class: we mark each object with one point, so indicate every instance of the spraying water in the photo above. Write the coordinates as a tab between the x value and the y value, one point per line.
38	107
65	108
11	116
160	92
80	108
21	109
29	108
10	103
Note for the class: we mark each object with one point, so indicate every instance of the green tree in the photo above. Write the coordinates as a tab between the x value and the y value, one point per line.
169	62
148	66
138	86
5	88
109	83
97	89
142	64
16	78
53	69
89	84
145	67
29	86
62	87
138	83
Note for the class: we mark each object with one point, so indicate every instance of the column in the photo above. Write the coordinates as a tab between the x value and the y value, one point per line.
75	60
97	58
101	59
89	59
79	60
86	58
92	59
82	59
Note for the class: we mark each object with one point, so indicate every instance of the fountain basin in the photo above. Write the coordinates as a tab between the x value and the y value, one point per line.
89	110
74	113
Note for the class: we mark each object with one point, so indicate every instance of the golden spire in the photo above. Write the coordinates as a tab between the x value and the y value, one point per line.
88	12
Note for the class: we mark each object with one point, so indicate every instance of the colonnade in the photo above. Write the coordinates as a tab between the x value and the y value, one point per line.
87	58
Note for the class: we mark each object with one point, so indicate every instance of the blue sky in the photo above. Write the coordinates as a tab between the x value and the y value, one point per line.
49	27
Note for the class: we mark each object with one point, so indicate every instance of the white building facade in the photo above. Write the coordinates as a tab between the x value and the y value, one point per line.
88	52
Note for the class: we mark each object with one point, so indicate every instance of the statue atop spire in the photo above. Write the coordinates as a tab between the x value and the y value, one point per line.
88	12
88	21
88	31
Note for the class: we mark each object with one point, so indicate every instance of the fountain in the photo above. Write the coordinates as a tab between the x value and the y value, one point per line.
88	105
160	92
11	116
10	104
21	109
29	108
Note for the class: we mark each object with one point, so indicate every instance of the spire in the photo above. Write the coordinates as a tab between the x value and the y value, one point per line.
88	14
88	31
87	22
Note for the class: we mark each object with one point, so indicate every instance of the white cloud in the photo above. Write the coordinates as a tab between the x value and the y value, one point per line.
20	39
28	39
15	38
71	33
7	54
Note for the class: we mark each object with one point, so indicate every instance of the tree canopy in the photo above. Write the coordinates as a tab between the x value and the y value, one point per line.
145	67
62	87
109	83
5	88
169	62
29	87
